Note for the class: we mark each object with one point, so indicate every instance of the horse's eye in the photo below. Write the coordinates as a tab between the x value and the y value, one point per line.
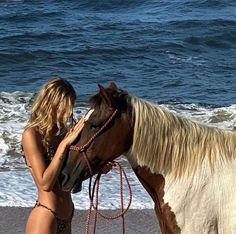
94	126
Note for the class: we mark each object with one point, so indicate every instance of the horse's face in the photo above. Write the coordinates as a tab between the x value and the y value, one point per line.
106	135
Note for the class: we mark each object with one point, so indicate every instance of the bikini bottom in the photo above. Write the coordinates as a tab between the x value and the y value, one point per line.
61	223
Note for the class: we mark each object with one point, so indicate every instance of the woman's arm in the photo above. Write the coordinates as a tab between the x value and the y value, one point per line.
46	176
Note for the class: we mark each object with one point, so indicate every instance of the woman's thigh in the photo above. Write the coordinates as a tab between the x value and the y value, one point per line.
41	221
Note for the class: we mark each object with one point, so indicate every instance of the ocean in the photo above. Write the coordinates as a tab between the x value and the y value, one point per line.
180	54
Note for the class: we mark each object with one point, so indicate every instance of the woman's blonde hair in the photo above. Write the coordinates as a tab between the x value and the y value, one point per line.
54	100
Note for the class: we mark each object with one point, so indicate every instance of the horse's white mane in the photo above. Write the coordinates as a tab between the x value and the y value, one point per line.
167	143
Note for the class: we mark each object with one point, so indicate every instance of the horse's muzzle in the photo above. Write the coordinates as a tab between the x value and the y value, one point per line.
71	180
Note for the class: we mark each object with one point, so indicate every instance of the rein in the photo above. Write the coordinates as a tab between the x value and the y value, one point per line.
94	206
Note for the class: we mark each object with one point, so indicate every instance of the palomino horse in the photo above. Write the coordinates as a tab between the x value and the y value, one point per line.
188	169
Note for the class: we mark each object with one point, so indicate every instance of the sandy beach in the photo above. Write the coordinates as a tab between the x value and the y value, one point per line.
136	222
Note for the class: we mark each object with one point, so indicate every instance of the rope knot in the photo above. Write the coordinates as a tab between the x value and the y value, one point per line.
82	148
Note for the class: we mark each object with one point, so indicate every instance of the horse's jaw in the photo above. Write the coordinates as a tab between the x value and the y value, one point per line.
77	187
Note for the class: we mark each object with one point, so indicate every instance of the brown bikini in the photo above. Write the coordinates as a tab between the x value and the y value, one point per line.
62	224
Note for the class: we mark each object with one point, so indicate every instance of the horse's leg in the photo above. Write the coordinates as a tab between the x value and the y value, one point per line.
154	184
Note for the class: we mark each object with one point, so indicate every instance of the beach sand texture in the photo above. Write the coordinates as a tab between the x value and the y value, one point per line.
13	221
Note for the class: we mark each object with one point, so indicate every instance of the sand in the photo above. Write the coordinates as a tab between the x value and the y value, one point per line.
13	220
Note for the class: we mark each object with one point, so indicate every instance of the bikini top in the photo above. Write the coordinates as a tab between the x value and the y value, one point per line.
48	156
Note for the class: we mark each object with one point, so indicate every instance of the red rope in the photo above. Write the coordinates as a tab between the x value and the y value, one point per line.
95	206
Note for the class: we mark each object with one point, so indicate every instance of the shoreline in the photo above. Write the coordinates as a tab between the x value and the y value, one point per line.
137	221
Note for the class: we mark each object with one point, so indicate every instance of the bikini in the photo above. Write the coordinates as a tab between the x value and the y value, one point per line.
62	224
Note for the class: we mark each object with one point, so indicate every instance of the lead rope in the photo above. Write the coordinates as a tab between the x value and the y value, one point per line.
95	206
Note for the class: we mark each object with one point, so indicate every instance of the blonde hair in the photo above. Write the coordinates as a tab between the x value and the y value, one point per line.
176	145
55	98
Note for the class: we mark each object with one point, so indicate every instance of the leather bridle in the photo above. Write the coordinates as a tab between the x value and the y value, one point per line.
83	148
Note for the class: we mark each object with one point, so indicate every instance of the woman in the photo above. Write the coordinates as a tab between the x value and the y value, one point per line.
45	142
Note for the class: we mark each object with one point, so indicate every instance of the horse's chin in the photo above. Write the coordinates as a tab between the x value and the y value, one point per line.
77	186
71	183
72	187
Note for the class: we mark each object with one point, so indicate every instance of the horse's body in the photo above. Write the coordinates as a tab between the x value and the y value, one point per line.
202	204
188	169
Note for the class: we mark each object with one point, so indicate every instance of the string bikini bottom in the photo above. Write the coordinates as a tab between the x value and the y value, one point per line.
62	224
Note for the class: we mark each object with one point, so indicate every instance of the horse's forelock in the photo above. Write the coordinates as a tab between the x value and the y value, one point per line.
95	101
117	97
98	103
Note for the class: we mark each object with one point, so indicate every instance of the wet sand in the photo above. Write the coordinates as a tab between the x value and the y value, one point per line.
13	220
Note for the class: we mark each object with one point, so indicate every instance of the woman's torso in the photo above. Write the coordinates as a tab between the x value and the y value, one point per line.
56	199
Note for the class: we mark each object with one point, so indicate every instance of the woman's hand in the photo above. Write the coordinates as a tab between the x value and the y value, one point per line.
74	132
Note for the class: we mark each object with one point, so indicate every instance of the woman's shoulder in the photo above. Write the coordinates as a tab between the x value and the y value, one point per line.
31	141
30	134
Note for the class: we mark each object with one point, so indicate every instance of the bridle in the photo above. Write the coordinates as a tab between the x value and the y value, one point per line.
83	148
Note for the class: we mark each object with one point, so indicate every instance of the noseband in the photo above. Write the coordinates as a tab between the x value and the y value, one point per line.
83	148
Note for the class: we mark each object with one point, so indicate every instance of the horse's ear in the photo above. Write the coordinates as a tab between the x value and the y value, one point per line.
112	86
104	95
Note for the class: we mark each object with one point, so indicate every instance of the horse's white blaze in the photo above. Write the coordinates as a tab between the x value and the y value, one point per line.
88	114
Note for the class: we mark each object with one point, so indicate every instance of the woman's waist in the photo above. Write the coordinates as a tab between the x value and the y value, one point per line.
60	202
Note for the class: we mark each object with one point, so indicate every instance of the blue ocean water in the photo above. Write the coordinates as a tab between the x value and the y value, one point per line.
180	54
178	50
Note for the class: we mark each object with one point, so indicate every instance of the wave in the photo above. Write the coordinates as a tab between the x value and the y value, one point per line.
222	117
210	3
13	116
14	111
15	107
144	5
34	36
17	187
224	40
203	23
33	16
217	33
103	5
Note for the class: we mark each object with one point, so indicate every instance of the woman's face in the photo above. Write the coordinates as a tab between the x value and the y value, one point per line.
65	111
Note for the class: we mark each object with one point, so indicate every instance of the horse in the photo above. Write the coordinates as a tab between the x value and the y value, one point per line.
187	167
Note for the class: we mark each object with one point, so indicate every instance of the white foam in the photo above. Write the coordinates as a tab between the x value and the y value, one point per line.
184	59
221	117
3	147
17	187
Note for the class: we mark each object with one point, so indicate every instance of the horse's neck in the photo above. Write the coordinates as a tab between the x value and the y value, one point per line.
167	144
